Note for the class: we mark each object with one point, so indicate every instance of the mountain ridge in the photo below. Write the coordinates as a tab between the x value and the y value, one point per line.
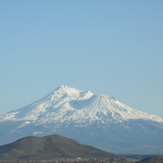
97	120
49	147
80	101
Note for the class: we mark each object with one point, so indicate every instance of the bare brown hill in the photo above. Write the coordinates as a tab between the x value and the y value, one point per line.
50	147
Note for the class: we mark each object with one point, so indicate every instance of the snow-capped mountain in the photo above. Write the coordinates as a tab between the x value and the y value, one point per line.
67	104
97	120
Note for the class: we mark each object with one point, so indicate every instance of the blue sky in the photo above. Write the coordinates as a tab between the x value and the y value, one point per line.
108	47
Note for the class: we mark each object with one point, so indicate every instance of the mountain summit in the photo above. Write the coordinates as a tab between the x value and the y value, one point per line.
97	120
67	104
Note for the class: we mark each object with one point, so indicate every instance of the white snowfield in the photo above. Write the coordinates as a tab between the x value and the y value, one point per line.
66	105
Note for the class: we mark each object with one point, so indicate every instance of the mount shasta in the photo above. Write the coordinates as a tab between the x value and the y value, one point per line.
96	120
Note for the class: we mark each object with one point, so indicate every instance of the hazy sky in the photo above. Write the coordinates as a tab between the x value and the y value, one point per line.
110	47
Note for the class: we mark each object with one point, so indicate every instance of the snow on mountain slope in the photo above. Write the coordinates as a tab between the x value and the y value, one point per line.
96	120
66	104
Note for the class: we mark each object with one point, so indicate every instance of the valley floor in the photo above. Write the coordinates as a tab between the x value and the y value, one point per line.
71	161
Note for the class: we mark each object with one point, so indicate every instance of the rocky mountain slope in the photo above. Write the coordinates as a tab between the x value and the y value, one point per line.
97	120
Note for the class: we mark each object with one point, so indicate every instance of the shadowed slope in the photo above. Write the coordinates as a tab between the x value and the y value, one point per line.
155	159
49	147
